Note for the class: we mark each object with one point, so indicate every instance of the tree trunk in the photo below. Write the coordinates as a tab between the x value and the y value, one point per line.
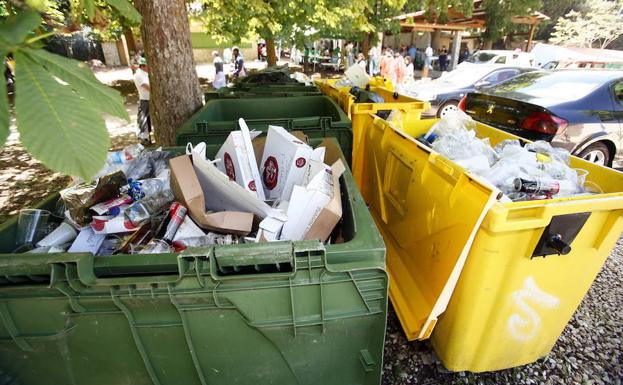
175	92
365	45
129	39
271	57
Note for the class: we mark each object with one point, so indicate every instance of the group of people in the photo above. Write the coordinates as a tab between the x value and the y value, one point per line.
388	64
239	70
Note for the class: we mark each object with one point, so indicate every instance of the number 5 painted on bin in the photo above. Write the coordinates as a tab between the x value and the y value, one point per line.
524	325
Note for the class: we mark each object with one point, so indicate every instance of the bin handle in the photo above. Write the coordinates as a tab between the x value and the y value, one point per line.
266	259
83	270
441	164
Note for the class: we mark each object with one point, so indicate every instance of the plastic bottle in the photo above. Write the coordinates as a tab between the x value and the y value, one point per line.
125	155
140	212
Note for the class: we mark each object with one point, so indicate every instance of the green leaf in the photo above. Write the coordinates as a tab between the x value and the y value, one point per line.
126	9
89	8
4	108
56	125
15	28
81	79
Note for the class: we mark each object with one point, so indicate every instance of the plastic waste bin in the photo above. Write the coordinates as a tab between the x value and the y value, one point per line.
478	274
259	92
316	116
280	313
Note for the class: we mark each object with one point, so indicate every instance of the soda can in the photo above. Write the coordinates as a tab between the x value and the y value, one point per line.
539	186
177	213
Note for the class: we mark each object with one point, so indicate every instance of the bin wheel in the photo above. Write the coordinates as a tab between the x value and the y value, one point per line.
447	107
597	153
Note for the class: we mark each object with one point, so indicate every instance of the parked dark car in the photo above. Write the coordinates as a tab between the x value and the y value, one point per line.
445	93
578	110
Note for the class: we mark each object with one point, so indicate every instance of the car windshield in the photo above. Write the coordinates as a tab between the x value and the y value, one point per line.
562	86
462	77
480	57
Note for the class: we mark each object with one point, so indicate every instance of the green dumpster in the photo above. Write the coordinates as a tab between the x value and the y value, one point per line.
279	313
316	116
261	92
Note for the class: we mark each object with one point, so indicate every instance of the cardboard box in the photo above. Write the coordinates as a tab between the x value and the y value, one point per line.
315	209
285	163
237	161
188	191
331	213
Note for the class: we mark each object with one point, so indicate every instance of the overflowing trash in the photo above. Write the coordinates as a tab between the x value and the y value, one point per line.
276	74
522	171
256	189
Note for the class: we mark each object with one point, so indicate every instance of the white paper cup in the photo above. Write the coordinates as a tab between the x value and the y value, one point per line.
62	234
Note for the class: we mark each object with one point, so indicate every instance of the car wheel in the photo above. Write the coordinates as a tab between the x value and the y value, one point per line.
447	107
597	153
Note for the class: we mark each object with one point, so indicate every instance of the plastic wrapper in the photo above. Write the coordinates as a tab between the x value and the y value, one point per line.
78	199
542	147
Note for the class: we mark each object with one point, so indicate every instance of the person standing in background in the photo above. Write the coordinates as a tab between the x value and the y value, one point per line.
409	69
443	60
463	55
219	78
412	52
397	71
361	60
385	64
239	70
428	61
141	81
373	61
348	51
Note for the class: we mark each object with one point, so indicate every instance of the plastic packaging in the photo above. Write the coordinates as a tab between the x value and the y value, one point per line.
140	212
542	170
156	246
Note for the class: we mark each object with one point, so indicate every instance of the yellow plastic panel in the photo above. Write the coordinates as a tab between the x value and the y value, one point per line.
507	308
428	212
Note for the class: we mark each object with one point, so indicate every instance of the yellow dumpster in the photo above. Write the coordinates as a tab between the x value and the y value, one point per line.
478	276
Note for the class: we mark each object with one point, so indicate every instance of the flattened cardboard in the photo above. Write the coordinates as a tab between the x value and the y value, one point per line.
307	204
332	213
187	190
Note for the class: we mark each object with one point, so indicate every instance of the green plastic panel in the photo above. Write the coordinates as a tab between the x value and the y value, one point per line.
276	313
316	115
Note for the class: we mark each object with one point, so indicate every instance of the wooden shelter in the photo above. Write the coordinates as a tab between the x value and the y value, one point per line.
458	22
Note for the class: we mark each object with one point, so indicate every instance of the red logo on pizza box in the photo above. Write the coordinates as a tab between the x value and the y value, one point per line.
271	172
300	162
229	166
252	186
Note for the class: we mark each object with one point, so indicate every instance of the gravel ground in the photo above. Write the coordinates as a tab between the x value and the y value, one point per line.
589	352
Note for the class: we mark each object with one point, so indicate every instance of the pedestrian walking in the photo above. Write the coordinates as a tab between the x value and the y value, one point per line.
141	81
